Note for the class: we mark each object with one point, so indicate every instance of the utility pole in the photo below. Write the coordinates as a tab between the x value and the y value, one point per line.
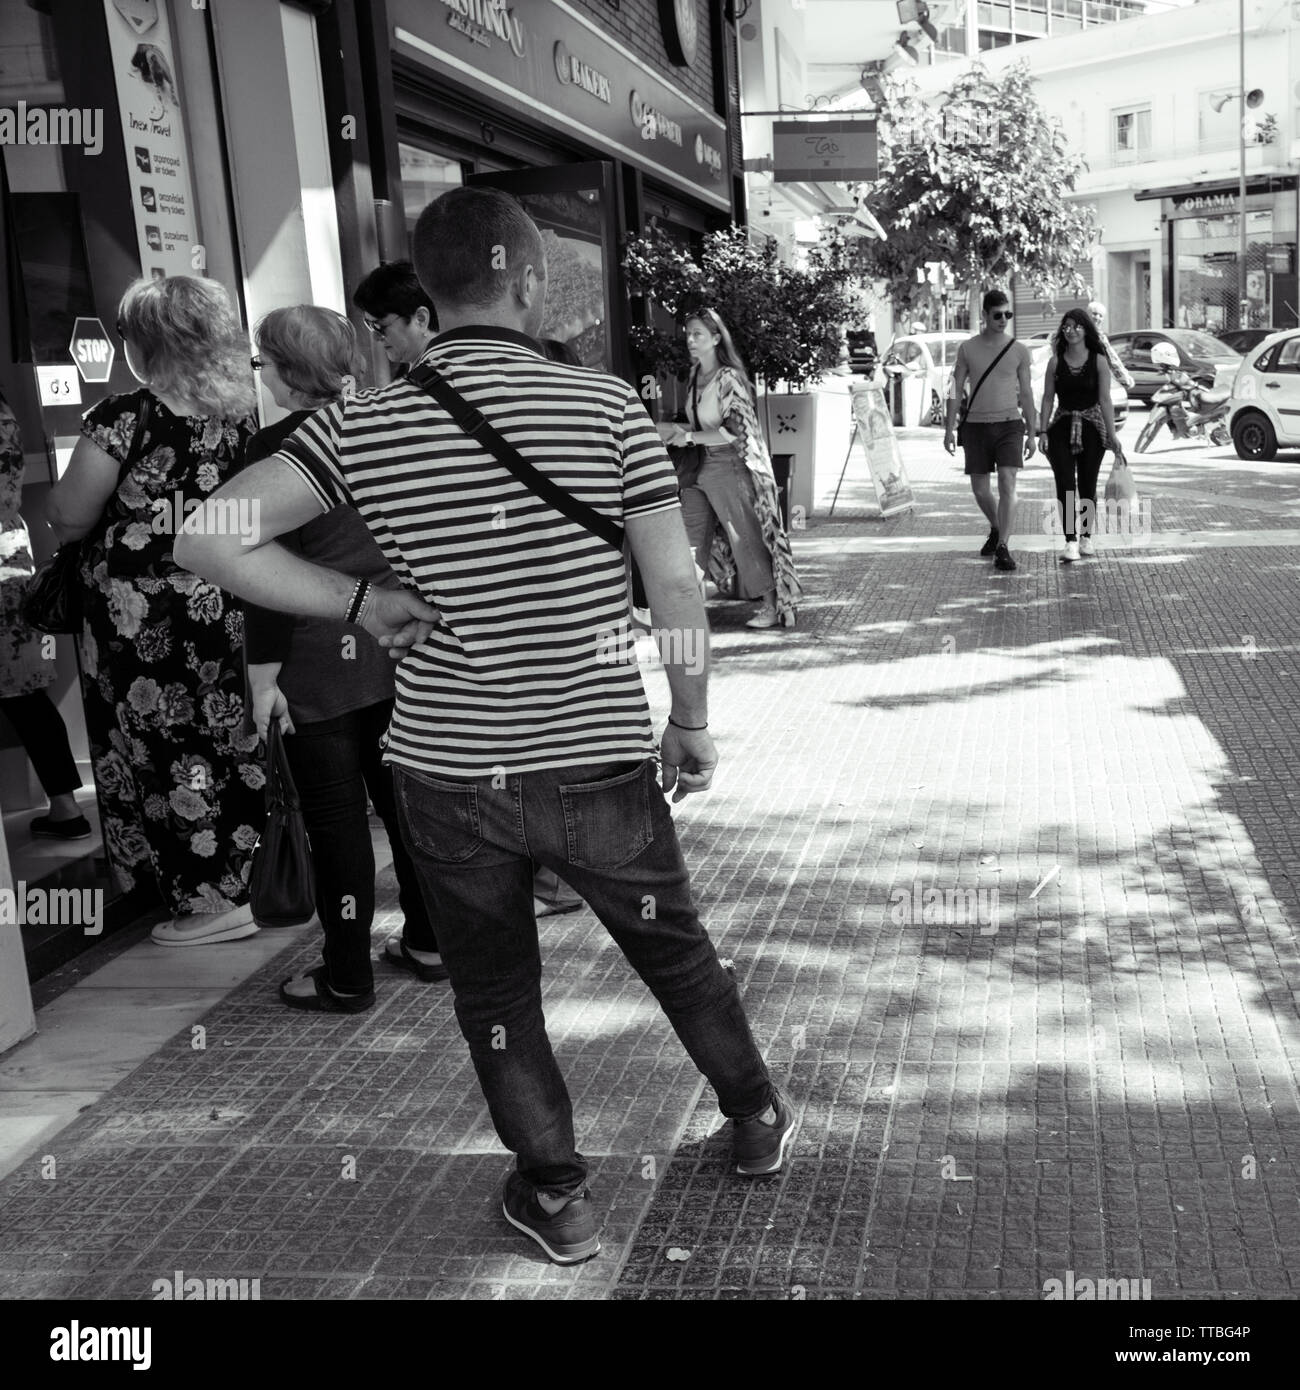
1243	303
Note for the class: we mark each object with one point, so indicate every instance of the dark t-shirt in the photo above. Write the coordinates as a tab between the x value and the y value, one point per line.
329	668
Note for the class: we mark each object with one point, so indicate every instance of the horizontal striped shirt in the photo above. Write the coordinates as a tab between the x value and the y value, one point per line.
518	676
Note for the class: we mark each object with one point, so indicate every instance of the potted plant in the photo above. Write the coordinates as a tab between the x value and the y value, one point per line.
787	321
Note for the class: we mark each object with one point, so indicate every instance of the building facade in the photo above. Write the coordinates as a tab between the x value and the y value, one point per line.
284	149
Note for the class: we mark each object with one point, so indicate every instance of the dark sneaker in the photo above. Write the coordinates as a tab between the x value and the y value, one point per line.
991	544
567	1237
43	828
759	1147
1002	559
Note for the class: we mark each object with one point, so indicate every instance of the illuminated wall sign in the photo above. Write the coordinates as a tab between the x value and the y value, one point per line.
680	23
481	21
824	151
652	123
711	159
576	73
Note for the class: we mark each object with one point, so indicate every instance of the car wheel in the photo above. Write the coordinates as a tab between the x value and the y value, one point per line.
1253	436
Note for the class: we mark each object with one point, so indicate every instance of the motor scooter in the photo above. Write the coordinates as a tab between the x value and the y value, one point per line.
1190	406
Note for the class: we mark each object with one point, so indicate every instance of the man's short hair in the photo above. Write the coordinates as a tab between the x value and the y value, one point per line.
393	288
994	299
471	242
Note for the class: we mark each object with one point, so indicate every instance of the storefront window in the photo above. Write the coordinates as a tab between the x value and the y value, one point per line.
1214	292
425	176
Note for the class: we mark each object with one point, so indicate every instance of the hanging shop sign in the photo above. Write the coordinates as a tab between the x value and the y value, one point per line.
816	151
568	75
679	21
153	131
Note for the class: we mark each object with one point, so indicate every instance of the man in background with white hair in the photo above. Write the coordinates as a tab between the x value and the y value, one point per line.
1120	372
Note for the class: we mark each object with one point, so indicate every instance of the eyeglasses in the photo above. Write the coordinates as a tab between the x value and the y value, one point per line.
380	328
255	363
1002	317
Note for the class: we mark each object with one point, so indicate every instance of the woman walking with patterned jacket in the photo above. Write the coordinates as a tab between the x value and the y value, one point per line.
733	488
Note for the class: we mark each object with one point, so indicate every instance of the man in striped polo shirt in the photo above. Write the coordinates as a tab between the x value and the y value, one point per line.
518	733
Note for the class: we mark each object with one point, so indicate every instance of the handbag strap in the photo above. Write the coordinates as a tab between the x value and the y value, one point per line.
970	399
471	420
136	447
281	790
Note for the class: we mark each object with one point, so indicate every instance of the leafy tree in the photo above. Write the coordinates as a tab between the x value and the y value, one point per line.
786	320
981	181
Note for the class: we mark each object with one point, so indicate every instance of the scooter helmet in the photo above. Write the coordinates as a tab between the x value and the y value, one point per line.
1164	355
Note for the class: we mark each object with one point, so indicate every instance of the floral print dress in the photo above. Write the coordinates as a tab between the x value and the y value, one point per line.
179	781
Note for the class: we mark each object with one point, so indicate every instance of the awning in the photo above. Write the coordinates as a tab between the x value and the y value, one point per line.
1274	183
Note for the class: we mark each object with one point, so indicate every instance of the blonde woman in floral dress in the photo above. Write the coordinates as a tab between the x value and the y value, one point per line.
180	785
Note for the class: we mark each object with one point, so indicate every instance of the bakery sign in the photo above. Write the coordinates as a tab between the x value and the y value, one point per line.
574	72
482	21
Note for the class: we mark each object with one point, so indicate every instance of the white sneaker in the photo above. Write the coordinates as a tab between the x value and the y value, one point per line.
205	928
1071	552
1086	546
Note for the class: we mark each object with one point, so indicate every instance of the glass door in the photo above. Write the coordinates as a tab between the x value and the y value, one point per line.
578	210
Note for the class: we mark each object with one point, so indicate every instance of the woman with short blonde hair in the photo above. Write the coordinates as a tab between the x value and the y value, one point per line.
312	350
179	782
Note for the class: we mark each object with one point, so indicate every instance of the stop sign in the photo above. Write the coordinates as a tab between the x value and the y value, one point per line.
92	350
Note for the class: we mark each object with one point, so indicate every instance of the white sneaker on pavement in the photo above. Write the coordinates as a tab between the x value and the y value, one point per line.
1086	546
1071	552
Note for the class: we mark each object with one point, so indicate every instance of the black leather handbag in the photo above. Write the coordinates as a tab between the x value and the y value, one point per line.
281	889
53	601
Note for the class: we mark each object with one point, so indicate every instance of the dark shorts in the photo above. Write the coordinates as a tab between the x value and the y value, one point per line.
998	444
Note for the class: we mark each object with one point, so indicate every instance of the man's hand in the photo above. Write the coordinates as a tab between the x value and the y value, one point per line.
269	703
689	758
950	441
399	619
1031	445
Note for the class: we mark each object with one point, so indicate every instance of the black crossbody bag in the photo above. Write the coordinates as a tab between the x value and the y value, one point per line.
970	399
473	423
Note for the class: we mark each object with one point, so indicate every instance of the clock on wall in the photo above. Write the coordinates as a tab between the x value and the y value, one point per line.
680	22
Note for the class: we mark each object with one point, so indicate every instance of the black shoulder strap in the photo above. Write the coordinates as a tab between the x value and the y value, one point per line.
486	436
136	446
971	398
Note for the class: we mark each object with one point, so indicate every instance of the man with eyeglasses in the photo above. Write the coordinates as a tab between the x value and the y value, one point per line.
398	312
998	427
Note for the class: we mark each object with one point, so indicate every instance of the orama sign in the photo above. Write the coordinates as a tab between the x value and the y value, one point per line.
542	63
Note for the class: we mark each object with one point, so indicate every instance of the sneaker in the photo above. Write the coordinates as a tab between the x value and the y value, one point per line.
568	1236
766	617
760	1147
1071	552
77	828
991	544
1086	547
206	928
1002	559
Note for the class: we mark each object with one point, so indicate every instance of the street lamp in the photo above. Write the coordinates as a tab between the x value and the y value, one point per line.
1251	99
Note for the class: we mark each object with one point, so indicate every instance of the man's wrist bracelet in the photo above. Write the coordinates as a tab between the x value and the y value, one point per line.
690	728
358	601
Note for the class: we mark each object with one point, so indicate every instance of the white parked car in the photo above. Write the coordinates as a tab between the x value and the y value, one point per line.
1264	410
930	356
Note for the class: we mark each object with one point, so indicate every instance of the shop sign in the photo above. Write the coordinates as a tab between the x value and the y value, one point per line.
575	72
92	350
824	151
574	82
153	131
711	159
680	22
652	123
481	21
1205	202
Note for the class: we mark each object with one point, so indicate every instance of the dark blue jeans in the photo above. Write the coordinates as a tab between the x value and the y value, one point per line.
335	762
607	831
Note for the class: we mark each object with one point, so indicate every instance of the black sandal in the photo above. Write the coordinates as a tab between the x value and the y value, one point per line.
324	1000
404	960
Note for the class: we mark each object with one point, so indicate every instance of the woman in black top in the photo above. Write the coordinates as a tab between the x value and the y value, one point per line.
330	685
1076	437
